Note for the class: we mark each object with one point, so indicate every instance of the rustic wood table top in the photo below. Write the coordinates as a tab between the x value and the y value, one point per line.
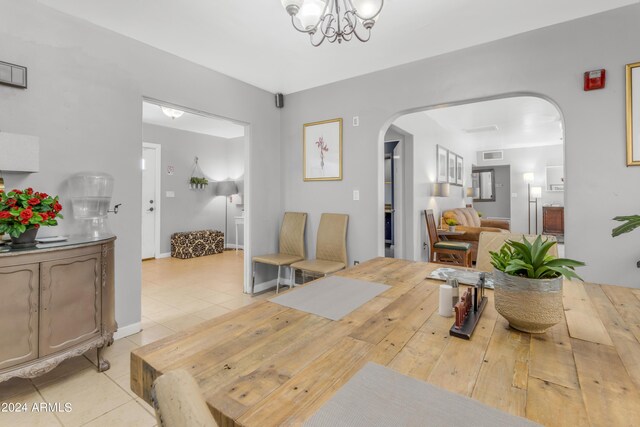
266	365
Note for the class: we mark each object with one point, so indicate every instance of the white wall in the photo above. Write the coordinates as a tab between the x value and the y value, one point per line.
427	134
84	101
523	160
189	210
549	62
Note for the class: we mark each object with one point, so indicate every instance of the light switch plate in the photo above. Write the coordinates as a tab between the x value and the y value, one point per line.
356	195
356	121
170	194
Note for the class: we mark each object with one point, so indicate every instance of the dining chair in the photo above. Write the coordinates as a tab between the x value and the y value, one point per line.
331	247
178	401
492	242
450	252
291	247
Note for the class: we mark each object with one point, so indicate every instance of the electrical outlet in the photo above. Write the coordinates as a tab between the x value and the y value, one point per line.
356	121
356	262
356	195
170	194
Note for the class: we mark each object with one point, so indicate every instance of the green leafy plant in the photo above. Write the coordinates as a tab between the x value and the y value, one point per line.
199	181
630	223
451	222
480	214
532	260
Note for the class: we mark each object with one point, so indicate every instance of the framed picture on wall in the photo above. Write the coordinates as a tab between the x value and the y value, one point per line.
442	166
451	170
459	170
633	114
322	151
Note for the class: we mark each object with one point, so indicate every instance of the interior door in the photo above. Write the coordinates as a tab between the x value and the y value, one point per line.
148	202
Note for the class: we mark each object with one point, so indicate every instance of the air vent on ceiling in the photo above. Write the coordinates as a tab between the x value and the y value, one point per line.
492	155
481	129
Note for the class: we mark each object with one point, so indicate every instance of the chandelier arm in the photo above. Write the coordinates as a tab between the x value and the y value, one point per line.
328	29
352	22
363	39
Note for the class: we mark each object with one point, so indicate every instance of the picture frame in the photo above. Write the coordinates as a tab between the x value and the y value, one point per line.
442	162
451	168
322	150
633	114
459	170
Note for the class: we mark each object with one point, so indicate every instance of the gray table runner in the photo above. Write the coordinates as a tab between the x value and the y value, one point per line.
332	297
378	396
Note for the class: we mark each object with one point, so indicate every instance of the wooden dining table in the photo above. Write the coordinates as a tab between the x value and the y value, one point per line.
269	365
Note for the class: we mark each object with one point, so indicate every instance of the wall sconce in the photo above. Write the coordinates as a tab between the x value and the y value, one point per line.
441	189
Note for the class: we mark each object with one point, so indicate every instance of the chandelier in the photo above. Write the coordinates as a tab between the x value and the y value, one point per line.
334	20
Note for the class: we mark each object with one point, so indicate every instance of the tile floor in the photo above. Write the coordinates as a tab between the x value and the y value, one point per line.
176	294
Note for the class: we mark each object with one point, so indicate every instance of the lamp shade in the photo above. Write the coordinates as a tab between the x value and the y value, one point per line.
528	177
441	189
536	192
226	188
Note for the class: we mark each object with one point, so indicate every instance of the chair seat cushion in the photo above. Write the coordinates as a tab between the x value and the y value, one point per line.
277	259
453	246
318	266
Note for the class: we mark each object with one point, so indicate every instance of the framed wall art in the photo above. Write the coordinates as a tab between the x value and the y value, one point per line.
322	151
633	114
451	170
459	170
442	159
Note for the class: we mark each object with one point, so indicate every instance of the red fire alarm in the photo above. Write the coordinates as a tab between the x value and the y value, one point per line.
594	79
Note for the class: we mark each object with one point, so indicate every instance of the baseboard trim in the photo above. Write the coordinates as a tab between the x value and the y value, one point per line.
271	284
128	330
164	255
234	246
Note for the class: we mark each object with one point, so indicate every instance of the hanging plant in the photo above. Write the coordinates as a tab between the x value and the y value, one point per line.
198	183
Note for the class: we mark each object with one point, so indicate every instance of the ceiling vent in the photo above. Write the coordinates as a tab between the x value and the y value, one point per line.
493	155
482	129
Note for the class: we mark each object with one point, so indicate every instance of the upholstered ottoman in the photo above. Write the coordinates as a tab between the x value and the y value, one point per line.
193	244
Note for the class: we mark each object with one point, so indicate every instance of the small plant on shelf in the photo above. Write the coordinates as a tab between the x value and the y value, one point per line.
451	222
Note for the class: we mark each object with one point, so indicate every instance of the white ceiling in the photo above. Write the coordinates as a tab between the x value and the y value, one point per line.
152	114
503	123
254	41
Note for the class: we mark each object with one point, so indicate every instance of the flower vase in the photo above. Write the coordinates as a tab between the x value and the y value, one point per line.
25	240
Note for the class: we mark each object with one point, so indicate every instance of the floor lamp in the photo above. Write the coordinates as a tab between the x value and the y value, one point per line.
227	189
528	178
536	193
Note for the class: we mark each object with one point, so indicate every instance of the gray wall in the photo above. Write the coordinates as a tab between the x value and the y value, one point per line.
532	159
84	101
501	208
189	210
549	62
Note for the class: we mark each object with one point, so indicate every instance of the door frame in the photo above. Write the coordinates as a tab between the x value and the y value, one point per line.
157	195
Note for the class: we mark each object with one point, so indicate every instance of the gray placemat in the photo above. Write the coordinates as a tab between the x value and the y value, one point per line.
379	396
332	297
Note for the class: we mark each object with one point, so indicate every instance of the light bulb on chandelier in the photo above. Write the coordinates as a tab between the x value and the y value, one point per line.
334	20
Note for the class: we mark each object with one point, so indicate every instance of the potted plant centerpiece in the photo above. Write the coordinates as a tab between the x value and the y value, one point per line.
23	212
451	222
528	284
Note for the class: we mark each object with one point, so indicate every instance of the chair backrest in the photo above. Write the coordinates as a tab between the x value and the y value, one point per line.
467	217
332	238
178	401
432	230
494	241
292	233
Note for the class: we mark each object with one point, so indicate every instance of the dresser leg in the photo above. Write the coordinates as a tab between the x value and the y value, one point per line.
103	364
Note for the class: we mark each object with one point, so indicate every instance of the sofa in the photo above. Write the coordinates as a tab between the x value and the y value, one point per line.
470	222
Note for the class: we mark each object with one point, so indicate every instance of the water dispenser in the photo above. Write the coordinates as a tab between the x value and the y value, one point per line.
90	194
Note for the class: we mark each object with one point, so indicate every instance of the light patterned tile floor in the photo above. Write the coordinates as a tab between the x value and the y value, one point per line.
176	294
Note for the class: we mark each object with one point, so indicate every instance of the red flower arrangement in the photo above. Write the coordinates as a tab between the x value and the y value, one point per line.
24	210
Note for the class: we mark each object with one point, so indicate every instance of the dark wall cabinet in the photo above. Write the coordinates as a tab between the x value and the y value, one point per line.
553	220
